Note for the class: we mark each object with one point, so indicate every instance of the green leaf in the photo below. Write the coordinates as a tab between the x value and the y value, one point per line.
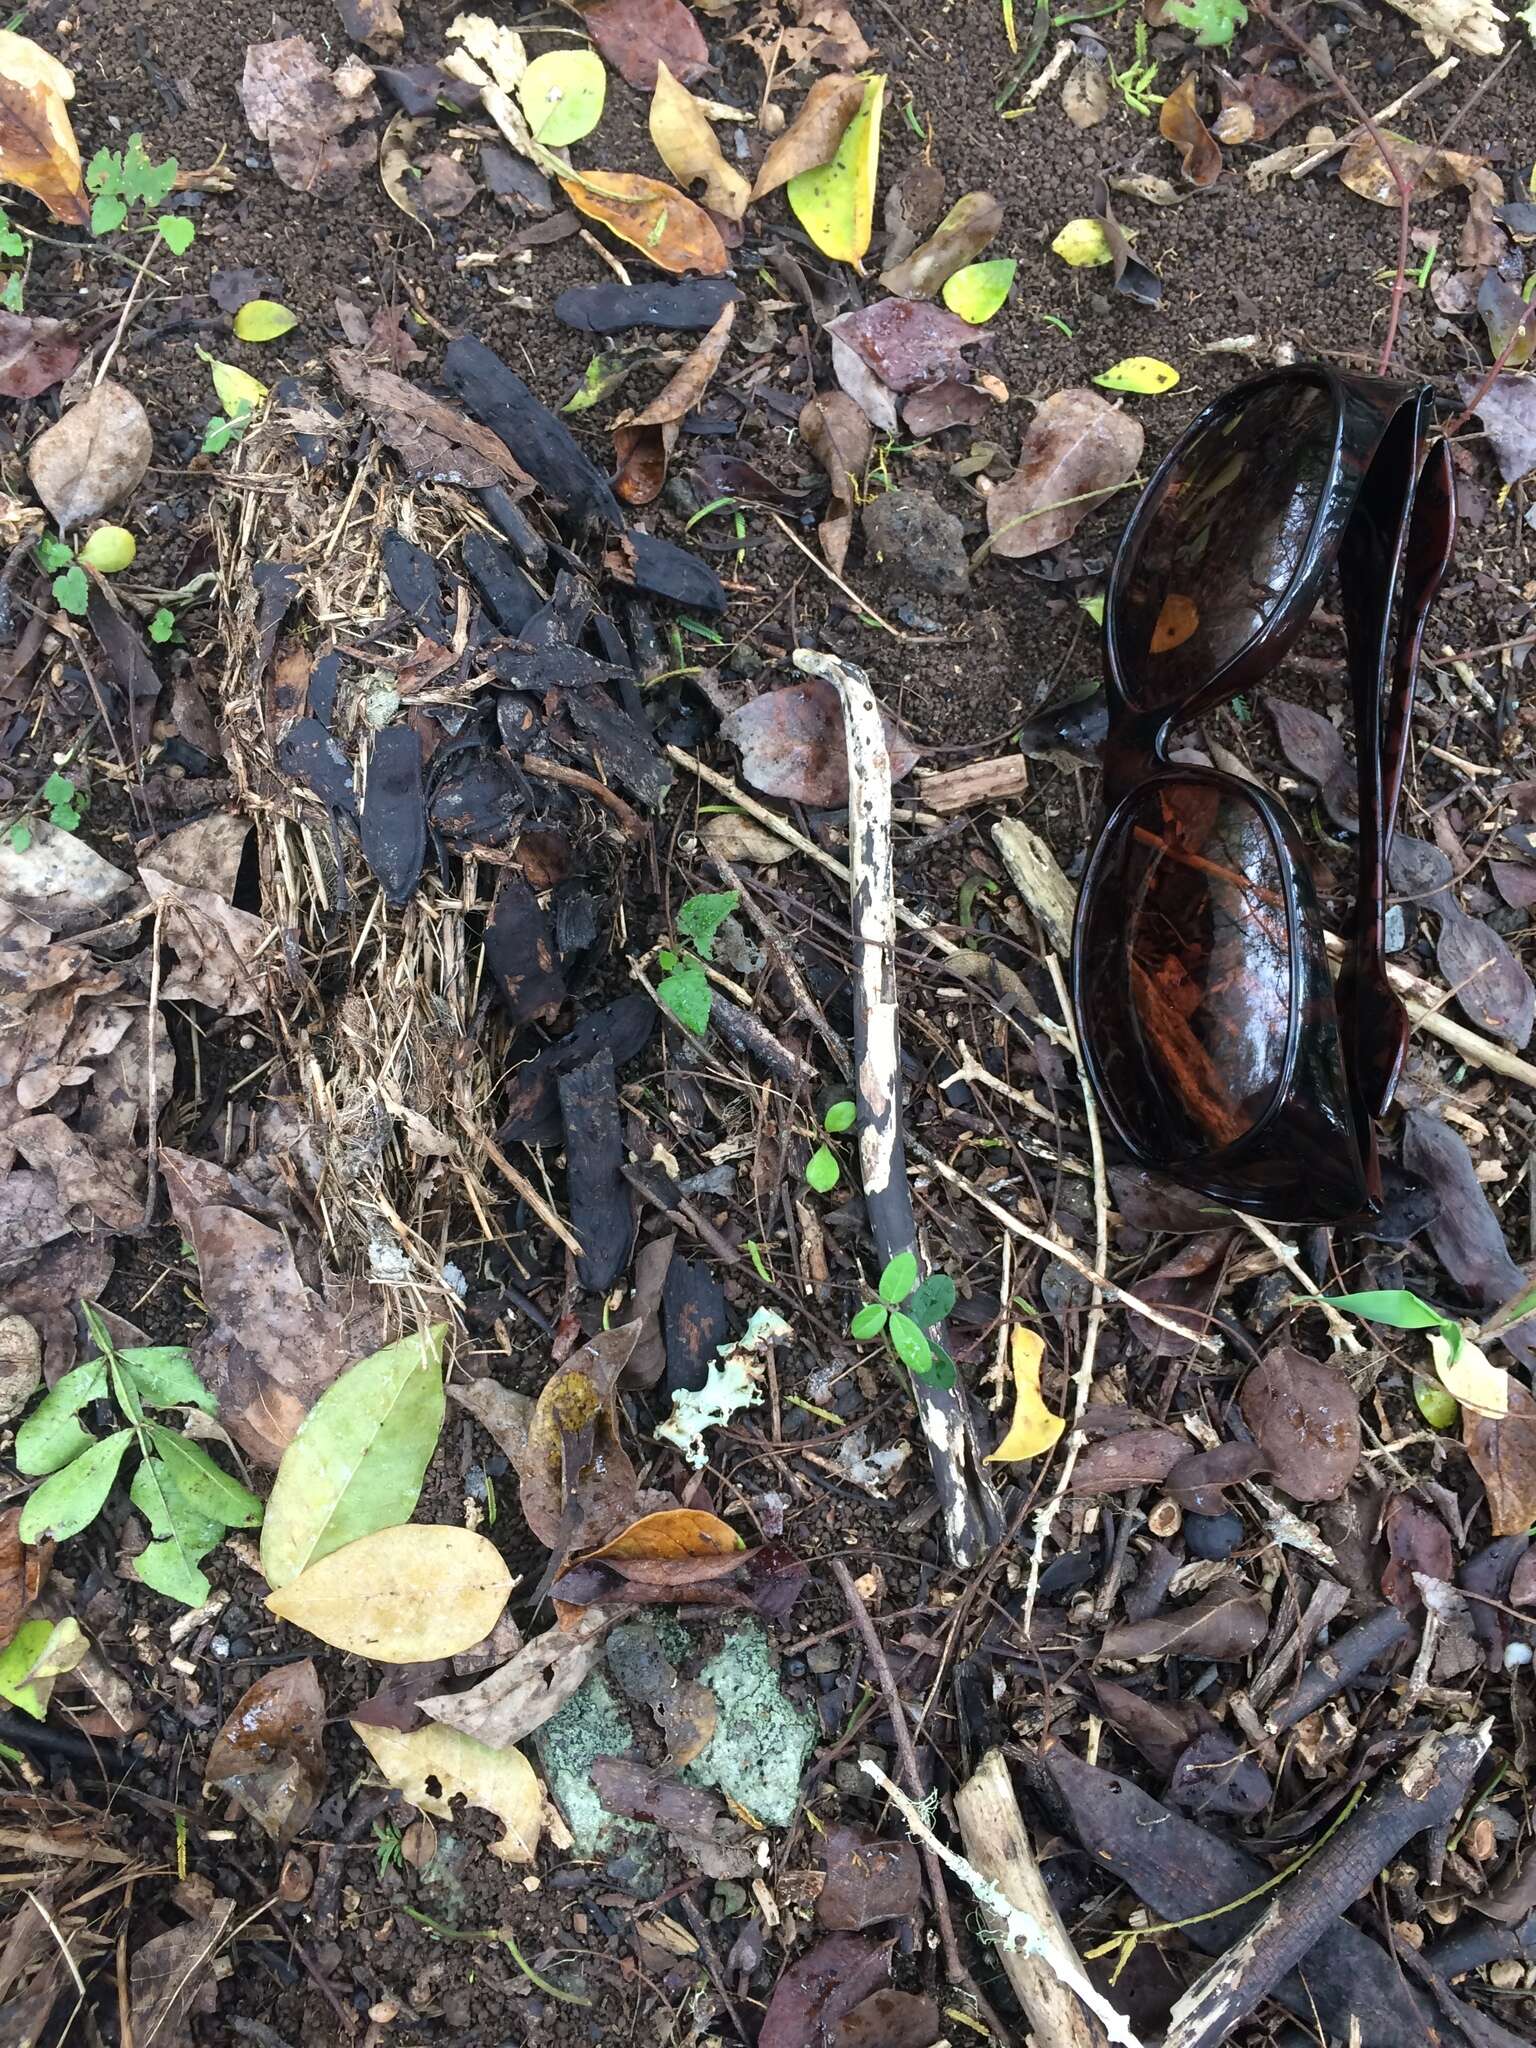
1214	22
686	994
702	916
202	1484
840	1117
1084	244
263	320
835	202
108	213
357	1462
10	297
103	170
944	1372
601	376
165	1377
51	1435
218	433
58	789
149	183
911	1345
53	554
980	289
1142	374
17	1659
63	1505
869	1322
65	816
73	591
162	626
21	836
1438	1408
1395	1307
185	1537
822	1171
562	95
932	1302
178	232
898	1279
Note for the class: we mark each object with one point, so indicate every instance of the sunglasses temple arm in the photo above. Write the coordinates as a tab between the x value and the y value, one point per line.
1426	558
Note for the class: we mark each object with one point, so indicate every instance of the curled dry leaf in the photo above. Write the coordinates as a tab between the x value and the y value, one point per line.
1255	107
644	440
822	1985
1034	1428
301	111
38	150
1228	1625
1503	1452
23	1569
1306	1420
269	1755
1133	278
402	1595
907	343
577	1482
501	1781
967	229
94	457
1418	1546
637	36
1179	122
666	228
838	434
812	138
688	146
1136	1457
793	745
35	354
1078	449
1199	1480
531	1686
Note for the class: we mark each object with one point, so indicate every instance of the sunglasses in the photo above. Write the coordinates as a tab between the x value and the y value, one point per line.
1218	1049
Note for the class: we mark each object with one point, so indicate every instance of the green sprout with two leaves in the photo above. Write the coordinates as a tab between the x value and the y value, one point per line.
904	1313
1134	84
823	1170
684	992
188	1501
65	802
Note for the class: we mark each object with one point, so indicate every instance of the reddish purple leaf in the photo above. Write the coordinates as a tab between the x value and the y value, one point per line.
35	354
907	343
1306	1420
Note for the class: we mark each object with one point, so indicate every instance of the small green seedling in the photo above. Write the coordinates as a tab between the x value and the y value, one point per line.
685	991
1397	1308
904	1314
71	589
220	431
390	1852
120	179
14	248
65	803
823	1170
162	626
1214	22
187	1500
1134	84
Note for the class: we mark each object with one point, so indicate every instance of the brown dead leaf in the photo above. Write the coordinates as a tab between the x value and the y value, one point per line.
577	1482
867	1881
1419	1546
1085	96
531	1686
269	1754
687	144
433	1765
674	1533
1306	1420
1179	123
811	139
793	745
1077	450
99	1181
1135	1457
656	219
635	36
302	111
644	440
906	343
1256	106
23	1569
374	23
963	233
35	354
191	876
38	150
435	439
170	1978
446	187
838	434
1427	169
1503	1451
94	457
830	33
1228	1625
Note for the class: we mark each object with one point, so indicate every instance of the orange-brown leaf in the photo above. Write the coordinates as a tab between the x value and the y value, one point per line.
675	1532
38	150
658	220
1180	124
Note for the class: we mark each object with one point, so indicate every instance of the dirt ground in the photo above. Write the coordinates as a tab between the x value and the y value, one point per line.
1300	270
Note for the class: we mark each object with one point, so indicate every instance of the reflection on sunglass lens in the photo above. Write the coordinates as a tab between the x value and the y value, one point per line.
1185	969
1222	542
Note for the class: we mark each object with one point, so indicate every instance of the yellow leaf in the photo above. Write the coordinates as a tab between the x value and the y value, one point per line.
38	150
500	1780
402	1595
263	320
1469	1377
667	228
1083	243
1143	374
672	1533
562	95
687	145
1034	1428
835	204
238	391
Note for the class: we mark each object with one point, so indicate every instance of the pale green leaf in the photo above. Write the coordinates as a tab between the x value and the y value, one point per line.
109	550
235	388
702	916
979	290
840	1117
183	1536
177	231
204	1486
562	95
263	320
66	1503
51	1435
686	994
165	1377
16	1663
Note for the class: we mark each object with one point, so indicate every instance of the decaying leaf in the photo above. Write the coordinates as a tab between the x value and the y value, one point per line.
497	48
649	1548
912	205
823	1984
501	1781
1179	122
1078	449
635	36
970	224
38	150
1305	1418
1133	1457
35	353
402	1595
1085	96
1312	746
867	1881
170	1978
1135	279
39	1654
191	876
374	23
907	343
1503	1452
23	1569
269	1755
835	203
1472	25
1418	1545
1227	1625
578	1484
688	146
644	440
21	1363
1034	1428
793	744
1507	410
667	228
1255	106
94	457
812	138
838	434
302	111
533	1684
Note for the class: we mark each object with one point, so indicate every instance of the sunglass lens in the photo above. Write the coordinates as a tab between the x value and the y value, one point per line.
1220	542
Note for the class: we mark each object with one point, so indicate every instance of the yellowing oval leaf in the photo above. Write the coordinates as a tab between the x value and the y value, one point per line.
400	1596
109	550
237	390
562	95
687	145
500	1780
263	320
1083	243
1469	1377
835	203
1034	1428
674	1532
977	291
1143	374
658	220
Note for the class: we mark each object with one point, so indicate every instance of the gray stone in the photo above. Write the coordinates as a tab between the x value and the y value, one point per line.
915	543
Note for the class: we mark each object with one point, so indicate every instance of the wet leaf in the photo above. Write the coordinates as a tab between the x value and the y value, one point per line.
820	1986
1224	1627
561	94
1034	1428
358	1460
400	1596
635	36
1199	1480
503	404
263	320
501	1781
270	1755
1467	1235
1135	1457
907	343
1133	278
867	1881
35	354
835	203
302	111
981	289
1083	244
577	1482
1078	449
793	744
94	457
1179	122
686	142
1305	1418
838	434
1419	1544
666	228
1491	986
1312	746
1507	410
38	150
1142	374
970	224
1503	1453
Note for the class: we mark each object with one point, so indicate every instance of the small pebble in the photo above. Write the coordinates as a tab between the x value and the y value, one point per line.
1515	1655
1212	1536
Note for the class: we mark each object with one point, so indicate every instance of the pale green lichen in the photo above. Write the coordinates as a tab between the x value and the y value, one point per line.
758	1750
730	1386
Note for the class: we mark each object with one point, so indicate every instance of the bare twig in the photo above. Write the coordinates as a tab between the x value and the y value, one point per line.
1318	157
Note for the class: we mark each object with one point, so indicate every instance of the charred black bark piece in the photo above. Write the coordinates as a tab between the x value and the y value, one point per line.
417	89
563	621
602	1208
543	445
696	1323
478	799
394	829
323	678
662	569
1340	1665
626	751
505	590
578	927
520	951
515	527
277	585
548	668
309	754
623	1029
416	586
315	449
691	308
